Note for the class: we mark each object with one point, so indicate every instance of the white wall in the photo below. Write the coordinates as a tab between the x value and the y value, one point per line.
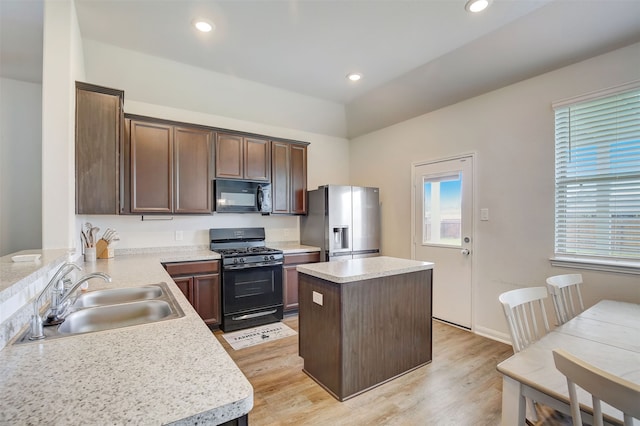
20	166
160	81
165	89
512	132
63	64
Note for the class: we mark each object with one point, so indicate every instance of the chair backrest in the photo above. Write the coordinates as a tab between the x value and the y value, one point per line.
520	310
615	391
566	295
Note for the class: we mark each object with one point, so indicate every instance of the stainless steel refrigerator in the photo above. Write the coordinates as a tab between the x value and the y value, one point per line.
344	221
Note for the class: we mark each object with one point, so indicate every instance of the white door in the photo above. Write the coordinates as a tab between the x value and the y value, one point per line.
442	231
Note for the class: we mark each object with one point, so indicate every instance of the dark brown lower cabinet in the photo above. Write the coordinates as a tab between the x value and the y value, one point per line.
200	283
290	277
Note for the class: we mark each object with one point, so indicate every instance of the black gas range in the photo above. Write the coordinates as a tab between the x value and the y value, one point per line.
251	277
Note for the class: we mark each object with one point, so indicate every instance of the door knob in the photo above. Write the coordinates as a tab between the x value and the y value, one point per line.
465	252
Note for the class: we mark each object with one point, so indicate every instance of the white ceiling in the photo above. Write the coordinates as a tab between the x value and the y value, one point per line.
415	56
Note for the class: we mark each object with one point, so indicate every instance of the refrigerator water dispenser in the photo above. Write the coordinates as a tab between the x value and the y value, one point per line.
340	237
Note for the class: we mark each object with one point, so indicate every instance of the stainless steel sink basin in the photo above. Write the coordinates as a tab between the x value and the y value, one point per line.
114	308
117	295
115	316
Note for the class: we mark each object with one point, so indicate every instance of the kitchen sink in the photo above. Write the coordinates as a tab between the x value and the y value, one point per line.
117	295
113	308
115	316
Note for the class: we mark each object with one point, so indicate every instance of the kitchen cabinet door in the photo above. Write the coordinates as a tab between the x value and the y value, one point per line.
257	159
289	178
229	156
151	167
280	173
206	297
298	179
199	281
185	284
242	157
169	167
290	277
99	131
193	188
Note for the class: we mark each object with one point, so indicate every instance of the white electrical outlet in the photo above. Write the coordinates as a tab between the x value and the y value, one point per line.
317	298
179	236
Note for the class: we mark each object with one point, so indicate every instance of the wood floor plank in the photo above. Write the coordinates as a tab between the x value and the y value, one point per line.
461	386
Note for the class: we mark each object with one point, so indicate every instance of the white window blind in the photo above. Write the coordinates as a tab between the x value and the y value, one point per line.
597	185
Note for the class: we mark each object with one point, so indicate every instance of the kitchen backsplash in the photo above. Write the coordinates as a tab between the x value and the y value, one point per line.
174	231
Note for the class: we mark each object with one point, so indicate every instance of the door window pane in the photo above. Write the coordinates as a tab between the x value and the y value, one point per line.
442	218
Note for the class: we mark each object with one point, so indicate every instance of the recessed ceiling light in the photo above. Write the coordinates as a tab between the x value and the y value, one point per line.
477	5
354	76
203	25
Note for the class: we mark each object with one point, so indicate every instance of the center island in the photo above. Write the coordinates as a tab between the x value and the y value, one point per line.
363	322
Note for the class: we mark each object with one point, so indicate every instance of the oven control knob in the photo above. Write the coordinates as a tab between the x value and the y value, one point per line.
242	260
235	261
271	258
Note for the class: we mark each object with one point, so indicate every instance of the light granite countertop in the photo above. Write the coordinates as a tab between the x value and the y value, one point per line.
168	372
288	247
346	271
14	276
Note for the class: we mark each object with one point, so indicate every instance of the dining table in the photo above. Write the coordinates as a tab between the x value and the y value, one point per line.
606	335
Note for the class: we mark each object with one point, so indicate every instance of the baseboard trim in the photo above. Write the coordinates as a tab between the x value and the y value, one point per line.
493	334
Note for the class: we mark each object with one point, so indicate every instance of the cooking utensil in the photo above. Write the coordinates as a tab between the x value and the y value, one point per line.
94	234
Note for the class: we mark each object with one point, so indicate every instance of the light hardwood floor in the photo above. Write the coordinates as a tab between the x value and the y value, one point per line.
459	387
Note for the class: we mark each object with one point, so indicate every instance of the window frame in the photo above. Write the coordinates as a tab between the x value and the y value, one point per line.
573	258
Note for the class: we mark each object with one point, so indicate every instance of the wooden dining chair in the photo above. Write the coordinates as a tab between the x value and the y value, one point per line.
520	307
566	295
525	312
603	386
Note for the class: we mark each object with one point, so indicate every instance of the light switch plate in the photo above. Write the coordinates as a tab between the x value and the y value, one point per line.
317	298
484	214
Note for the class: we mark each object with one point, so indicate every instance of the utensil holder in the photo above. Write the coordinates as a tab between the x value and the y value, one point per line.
89	254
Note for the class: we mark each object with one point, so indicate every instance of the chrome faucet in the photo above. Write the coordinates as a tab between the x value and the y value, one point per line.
68	293
37	331
59	295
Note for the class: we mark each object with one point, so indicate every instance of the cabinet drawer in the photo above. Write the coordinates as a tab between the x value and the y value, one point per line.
312	257
192	268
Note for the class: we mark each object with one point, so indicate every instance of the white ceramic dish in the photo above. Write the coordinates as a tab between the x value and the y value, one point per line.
26	257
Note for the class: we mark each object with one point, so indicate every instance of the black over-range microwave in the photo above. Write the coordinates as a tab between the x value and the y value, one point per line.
242	196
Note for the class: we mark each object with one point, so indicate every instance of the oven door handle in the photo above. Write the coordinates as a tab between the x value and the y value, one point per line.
248	266
254	315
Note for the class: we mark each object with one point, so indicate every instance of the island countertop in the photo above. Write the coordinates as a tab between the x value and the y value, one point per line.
346	271
167	372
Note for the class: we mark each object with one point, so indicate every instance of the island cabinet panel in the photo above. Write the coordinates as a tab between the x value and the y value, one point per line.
290	277
200	283
242	157
289	177
99	129
365	332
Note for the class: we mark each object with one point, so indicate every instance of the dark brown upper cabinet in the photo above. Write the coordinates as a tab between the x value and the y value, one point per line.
289	177
169	167
99	135
242	157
